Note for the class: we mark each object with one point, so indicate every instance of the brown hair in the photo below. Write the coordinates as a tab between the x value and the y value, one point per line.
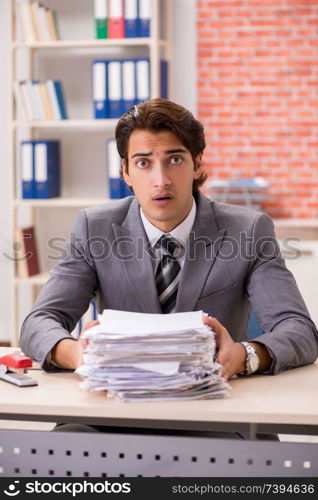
157	115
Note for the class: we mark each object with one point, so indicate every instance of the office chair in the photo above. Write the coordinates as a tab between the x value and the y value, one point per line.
254	328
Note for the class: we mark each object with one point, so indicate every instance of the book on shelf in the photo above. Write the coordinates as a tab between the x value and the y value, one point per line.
35	104
36	100
25	21
118	84
45	100
26	252
40	169
56	98
35	22
122	18
51	22
117	186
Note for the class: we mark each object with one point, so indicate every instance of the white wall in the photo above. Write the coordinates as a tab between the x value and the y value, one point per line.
184	92
305	271
4	170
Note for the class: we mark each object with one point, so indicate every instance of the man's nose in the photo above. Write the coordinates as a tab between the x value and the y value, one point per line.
160	176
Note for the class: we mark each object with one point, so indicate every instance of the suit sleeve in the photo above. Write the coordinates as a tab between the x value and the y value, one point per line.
63	299
290	335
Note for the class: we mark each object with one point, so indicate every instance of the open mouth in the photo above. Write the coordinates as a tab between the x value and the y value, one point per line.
163	197
162	200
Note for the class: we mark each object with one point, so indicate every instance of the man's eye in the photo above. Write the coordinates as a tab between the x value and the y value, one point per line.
176	160
142	163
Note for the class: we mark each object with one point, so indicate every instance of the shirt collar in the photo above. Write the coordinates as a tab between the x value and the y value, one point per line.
180	233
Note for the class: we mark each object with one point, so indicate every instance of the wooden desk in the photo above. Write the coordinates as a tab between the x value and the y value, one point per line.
281	403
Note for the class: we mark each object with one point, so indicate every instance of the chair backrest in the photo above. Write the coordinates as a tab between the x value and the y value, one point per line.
254	328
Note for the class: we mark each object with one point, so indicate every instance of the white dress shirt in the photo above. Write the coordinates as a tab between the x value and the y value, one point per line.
180	233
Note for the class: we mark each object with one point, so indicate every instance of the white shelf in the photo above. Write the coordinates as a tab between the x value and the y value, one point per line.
62	202
83	44
108	124
37	279
298	223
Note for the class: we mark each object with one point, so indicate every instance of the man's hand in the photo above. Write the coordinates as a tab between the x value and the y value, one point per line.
231	355
68	353
84	342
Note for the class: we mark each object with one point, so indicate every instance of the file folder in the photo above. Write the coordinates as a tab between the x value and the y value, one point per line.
116	26
100	89
126	191
27	170
47	169
131	18
113	166
143	79
115	97
145	9
101	19
129	84
164	79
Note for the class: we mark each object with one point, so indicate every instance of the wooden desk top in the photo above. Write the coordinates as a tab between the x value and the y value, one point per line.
287	398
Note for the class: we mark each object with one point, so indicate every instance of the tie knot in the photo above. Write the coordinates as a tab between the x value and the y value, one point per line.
168	244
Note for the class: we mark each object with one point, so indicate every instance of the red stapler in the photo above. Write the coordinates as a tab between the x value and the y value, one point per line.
13	368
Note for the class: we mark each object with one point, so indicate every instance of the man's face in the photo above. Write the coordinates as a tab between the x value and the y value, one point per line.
161	172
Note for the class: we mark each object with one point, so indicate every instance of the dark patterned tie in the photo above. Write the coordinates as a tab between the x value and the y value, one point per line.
168	274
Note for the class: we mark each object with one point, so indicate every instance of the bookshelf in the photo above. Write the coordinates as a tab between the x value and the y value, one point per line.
62	202
84	169
67	44
107	124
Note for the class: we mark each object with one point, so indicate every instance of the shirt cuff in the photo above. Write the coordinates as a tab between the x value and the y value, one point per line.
50	363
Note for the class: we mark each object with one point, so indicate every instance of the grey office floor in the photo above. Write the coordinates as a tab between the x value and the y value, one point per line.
47	426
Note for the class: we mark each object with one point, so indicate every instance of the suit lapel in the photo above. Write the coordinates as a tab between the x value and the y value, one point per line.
133	252
203	245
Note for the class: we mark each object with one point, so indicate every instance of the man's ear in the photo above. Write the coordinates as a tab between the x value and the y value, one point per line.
198	166
125	172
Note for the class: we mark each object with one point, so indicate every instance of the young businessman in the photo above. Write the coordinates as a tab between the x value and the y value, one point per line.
225	259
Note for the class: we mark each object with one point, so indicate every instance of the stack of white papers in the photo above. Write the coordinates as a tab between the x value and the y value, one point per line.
152	357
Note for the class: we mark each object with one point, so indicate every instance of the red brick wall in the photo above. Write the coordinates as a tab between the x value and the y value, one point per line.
258	96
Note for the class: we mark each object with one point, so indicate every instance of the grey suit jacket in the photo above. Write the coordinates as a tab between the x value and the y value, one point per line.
232	263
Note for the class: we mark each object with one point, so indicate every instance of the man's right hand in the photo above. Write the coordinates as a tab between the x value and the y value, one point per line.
84	342
68	353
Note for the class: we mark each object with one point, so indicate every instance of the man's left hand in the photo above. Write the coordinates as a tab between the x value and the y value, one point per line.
231	355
